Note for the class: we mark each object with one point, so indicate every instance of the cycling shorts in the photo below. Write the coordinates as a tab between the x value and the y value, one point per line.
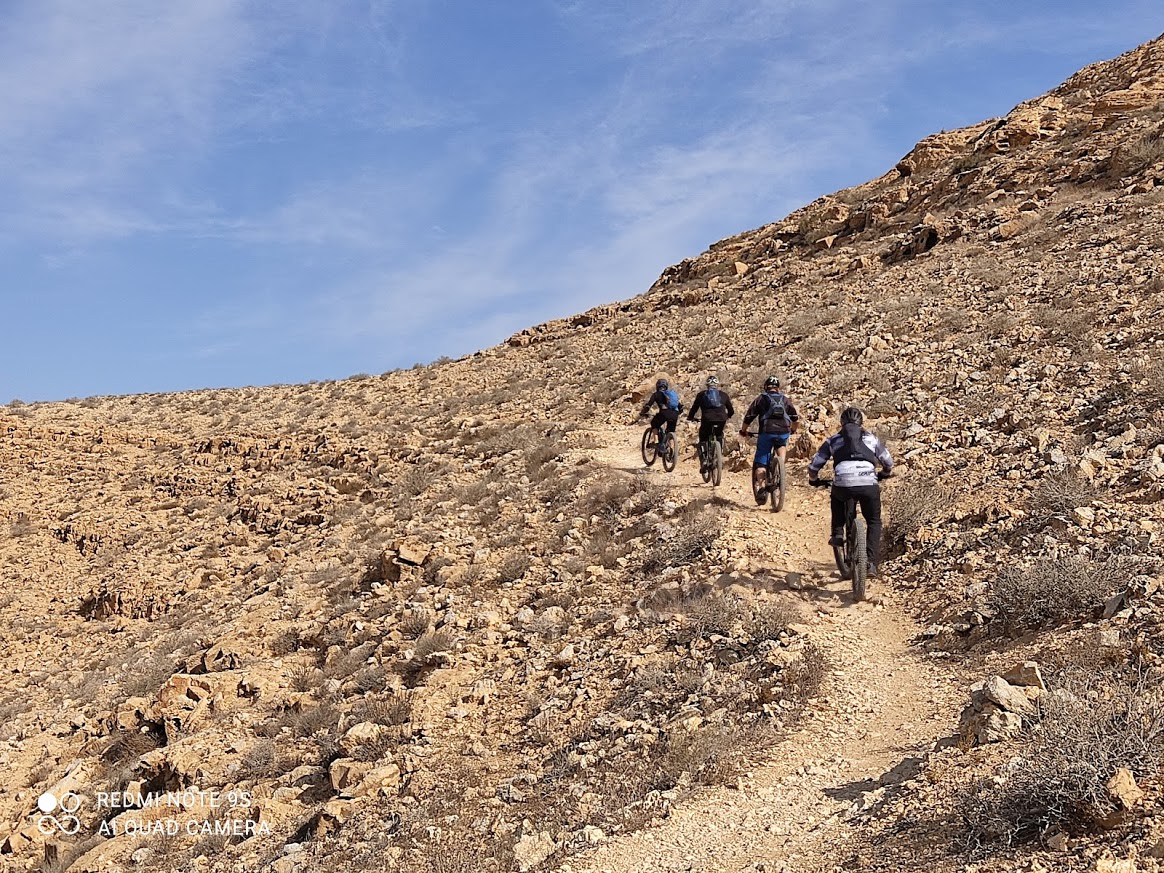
765	444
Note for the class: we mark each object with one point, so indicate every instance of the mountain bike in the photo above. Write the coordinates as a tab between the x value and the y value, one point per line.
775	481
711	460
852	555
658	443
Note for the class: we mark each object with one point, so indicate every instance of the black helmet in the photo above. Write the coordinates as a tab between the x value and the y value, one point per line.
662	385
712	381
771	382
852	415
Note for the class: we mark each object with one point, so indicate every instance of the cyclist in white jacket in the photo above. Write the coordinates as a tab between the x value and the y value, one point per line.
855	454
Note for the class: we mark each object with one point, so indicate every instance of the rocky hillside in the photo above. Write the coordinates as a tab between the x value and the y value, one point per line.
439	619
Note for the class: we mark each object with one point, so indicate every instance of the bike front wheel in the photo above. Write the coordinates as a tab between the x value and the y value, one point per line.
860	556
779	484
650	445
669	452
705	461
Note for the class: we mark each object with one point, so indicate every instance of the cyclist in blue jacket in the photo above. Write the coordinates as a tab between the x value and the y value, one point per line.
667	399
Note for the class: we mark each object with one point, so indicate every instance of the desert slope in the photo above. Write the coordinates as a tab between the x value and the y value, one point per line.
468	632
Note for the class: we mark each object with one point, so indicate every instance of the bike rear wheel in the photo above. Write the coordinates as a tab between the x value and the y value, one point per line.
843	554
650	445
669	452
716	462
860	555
778	484
705	456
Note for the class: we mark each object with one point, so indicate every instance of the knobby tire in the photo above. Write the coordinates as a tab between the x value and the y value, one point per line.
650	446
670	452
860	559
778	484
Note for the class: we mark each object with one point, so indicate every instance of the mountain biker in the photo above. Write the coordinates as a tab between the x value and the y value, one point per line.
855	454
667	399
778	421
716	409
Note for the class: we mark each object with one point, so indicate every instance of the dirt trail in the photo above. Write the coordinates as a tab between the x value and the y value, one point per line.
881	709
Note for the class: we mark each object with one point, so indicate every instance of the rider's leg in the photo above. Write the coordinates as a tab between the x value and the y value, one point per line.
869	497
838	501
706	428
760	467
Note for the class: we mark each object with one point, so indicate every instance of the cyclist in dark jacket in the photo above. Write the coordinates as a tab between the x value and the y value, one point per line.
855	454
667	399
778	420
715	408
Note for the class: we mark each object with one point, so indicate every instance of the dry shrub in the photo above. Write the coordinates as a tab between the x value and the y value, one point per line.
513	566
911	505
692	532
769	620
805	678
1049	591
131	745
620	495
391	711
431	643
713	614
718	614
305	677
1057	494
416	622
259	761
710	755
1090	727
1140	153
1151	389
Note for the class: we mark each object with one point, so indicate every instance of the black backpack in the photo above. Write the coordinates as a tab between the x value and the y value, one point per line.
776	409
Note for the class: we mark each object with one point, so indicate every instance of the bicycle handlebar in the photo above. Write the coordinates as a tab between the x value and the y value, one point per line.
820	483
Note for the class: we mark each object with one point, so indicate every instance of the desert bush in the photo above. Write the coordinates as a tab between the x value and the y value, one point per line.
130	745
513	566
1049	591
710	755
432	642
911	505
1057	494
804	679
1139	153
259	761
770	619
819	346
611	497
286	643
713	614
305	677
684	538
1150	392
1093	725
392	710
416	622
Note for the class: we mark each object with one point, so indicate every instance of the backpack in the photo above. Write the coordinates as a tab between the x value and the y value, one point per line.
672	398
853	446
714	397
776	409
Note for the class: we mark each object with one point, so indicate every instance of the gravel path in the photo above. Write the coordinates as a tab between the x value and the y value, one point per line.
883	706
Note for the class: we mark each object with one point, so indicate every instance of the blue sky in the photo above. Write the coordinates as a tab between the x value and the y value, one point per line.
222	192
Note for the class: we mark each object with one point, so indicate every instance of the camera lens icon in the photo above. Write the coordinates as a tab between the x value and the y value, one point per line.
58	813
